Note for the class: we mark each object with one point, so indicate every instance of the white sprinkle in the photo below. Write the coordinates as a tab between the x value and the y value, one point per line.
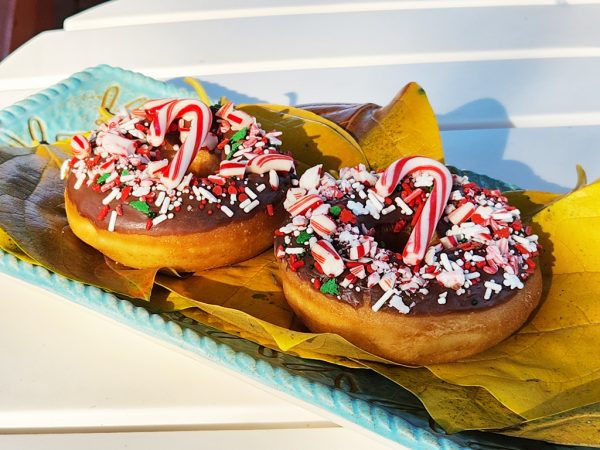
445	262
274	179
170	216
372	210
110	197
250	193
477	258
207	195
113	176
245	203
160	198
251	206
112	221
64	169
141	191
79	182
294	250
472	275
228	212
377	204
397	303
493	286
165	206
384	298
388	210
442	298
488	294
159	219
260	187
127	178
362	194
403	206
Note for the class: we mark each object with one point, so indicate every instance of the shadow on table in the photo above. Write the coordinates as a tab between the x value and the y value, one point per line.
463	150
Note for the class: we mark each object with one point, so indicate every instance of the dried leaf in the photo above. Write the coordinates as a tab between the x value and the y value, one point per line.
406	126
579	426
551	365
32	214
310	138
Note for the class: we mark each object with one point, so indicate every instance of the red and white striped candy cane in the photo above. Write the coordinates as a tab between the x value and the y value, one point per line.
229	169
167	112
80	146
237	119
323	225
304	203
331	263
263	163
415	248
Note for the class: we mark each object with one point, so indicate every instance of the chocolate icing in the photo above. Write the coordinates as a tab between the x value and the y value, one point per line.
420	304
89	204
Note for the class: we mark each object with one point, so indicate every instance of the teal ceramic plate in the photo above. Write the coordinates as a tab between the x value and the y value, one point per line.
359	396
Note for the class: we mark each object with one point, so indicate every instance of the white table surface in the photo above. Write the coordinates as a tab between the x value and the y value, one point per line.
516	88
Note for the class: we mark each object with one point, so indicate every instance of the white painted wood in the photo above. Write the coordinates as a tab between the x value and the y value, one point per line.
7	98
532	158
310	41
474	94
67	368
290	439
137	12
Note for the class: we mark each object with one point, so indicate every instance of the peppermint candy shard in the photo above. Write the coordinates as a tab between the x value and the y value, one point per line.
330	261
273	161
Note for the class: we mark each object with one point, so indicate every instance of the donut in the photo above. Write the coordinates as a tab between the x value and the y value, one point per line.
177	184
412	264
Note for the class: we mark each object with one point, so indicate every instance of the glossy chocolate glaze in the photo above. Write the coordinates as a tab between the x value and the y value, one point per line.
422	305
89	205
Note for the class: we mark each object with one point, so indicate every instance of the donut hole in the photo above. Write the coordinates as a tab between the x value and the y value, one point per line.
205	163
394	241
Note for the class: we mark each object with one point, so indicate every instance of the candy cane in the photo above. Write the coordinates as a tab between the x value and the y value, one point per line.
434	207
331	263
323	225
304	203
229	169
264	163
237	119
167	112
80	146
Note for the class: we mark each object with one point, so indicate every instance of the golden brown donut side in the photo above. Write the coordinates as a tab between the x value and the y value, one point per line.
411	340
227	244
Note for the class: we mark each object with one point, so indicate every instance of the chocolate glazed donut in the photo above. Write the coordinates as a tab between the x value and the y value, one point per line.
177	184
412	264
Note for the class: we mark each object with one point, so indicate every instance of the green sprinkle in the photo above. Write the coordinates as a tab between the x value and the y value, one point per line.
330	287
102	178
125	172
335	210
303	237
140	206
238	135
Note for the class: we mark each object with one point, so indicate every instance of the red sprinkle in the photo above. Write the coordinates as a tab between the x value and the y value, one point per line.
270	209
317	284
103	212
125	193
217	190
119	210
148	224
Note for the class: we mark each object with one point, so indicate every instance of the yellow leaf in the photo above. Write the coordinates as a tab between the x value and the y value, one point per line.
406	126
311	139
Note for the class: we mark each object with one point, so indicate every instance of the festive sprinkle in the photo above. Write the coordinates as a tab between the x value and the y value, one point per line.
140	206
330	287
